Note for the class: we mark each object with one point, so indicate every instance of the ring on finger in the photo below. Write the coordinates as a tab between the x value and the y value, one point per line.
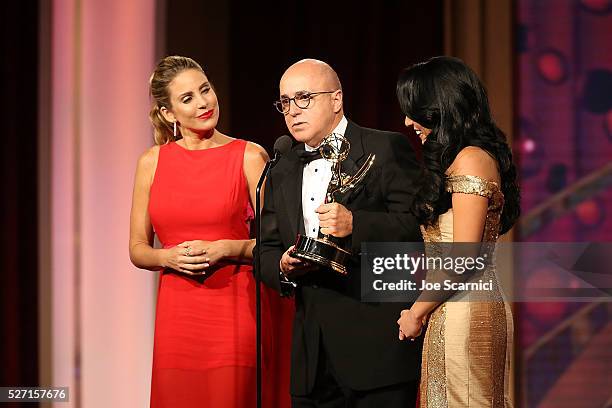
188	251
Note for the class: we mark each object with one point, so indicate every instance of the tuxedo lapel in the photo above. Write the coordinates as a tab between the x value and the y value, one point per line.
354	136
292	190
350	166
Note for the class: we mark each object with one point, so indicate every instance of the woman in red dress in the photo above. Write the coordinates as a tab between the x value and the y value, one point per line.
195	189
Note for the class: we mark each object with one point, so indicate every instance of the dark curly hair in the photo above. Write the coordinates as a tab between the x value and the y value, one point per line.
443	94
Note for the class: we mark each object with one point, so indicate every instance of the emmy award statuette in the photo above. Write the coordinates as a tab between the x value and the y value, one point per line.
329	251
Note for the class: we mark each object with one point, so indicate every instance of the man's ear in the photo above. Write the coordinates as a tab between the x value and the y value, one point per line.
167	114
337	101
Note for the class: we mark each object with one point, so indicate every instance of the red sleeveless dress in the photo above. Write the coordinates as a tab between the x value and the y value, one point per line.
205	350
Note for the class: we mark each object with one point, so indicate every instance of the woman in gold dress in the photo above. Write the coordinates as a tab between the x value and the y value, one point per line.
469	194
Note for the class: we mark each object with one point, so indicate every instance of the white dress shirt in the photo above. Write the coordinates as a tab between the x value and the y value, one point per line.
315	180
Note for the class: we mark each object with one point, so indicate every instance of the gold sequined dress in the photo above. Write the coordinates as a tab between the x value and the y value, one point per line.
467	346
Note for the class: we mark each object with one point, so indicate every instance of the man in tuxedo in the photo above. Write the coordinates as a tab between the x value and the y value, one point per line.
345	353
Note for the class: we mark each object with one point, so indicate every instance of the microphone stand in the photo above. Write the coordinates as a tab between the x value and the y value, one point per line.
257	262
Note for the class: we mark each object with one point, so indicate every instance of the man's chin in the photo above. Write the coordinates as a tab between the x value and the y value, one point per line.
300	136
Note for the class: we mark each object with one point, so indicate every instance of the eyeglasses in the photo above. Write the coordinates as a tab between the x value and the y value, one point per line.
301	99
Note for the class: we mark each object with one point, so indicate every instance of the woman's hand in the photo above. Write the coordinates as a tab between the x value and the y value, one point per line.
410	326
213	251
185	259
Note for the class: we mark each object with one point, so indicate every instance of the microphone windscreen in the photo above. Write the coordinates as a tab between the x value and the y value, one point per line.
283	144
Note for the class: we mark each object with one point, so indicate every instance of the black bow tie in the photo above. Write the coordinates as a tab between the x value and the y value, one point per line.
306	157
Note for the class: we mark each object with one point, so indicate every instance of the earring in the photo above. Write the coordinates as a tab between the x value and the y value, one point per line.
174	131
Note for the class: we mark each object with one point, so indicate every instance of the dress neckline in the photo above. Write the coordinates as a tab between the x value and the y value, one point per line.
206	149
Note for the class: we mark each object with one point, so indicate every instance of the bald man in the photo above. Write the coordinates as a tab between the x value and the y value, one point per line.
345	353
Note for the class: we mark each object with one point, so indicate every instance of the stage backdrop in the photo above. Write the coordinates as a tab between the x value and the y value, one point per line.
565	143
100	307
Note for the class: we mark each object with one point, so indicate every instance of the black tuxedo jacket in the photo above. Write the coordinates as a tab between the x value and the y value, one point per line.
361	339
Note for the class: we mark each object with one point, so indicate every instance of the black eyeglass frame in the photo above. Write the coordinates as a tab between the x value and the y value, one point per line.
279	104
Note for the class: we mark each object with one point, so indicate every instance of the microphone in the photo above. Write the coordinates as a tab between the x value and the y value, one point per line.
282	145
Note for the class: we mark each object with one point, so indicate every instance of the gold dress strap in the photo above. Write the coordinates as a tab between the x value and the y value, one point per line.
471	185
